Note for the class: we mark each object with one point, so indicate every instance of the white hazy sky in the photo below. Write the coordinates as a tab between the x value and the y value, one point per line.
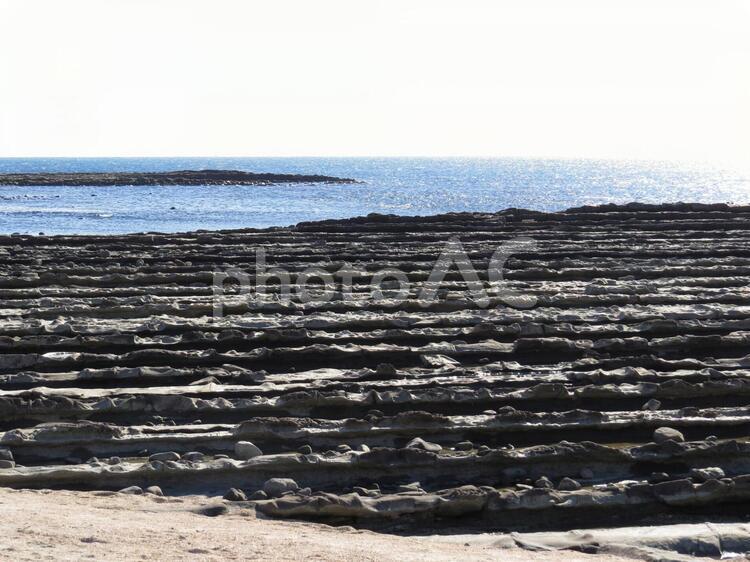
580	78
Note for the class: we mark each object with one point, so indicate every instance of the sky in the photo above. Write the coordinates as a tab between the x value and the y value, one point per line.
652	79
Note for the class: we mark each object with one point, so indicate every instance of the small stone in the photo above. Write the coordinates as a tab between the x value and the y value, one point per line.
245	450
483	450
6	454
7	464
568	485
652	405
544	482
664	434
657	477
193	456
376	413
114	460
363	448
305	450
343	448
464	446
419	443
712	438
221	456
258	495
360	491
304	491
154	490
385	370
277	486
586	473
134	490
165	456
705	474
235	495
489	412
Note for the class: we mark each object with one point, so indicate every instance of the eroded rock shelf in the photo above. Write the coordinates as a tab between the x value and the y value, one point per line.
621	393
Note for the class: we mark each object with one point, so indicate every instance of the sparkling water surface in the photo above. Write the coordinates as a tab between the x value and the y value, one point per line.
403	186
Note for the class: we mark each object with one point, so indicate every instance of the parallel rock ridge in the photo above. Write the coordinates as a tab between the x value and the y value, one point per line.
183	177
619	392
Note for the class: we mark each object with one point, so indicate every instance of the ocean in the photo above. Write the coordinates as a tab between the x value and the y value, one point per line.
402	186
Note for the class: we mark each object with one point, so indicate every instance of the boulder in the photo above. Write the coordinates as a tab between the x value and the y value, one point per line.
664	434
275	487
246	450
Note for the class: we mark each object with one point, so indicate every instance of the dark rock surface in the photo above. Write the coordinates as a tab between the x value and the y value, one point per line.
181	177
620	394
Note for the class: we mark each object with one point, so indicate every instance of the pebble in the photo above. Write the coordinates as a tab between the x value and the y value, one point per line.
343	448
7	464
246	450
134	490
6	454
483	450
464	446
305	450
258	495
664	434
154	490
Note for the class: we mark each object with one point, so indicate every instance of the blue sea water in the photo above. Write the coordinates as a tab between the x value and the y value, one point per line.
405	186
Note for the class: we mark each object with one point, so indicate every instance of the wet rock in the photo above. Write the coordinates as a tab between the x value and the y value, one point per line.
664	434
258	495
245	450
343	448
305	450
235	495
275	487
419	443
134	490
464	446
154	490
